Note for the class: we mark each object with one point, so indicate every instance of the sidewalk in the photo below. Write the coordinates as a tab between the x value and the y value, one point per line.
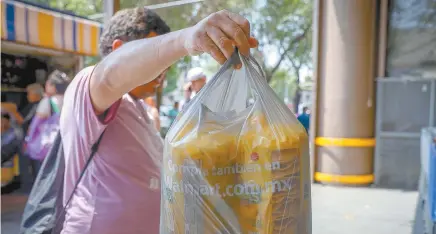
336	210
340	210
11	208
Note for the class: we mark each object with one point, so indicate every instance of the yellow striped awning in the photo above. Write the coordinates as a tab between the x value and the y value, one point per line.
28	24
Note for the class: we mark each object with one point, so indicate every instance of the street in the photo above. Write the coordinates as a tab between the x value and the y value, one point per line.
336	210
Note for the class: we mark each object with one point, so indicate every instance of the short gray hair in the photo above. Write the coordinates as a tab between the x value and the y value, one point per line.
35	88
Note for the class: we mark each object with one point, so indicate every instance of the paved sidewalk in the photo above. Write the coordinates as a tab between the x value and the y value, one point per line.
11	209
336	210
340	210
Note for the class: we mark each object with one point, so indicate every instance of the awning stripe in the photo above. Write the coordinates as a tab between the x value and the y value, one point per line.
27	25
69	35
35	26
74	35
32	21
46	30
10	22
20	24
3	21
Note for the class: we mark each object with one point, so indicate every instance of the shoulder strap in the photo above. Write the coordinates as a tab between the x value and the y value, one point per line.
94	150
53	106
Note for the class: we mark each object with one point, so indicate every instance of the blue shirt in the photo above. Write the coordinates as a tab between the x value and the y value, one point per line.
173	114
304	120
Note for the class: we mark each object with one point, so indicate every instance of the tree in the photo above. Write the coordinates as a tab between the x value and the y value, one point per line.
284	25
283	84
299	58
283	28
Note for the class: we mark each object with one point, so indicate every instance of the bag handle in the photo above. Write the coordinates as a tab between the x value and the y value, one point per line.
94	149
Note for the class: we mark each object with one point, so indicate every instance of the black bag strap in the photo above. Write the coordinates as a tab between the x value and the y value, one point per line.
94	150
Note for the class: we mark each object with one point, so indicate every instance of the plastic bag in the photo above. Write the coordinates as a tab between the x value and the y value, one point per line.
42	133
236	160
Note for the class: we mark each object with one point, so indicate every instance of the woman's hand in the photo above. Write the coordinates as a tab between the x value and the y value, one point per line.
218	34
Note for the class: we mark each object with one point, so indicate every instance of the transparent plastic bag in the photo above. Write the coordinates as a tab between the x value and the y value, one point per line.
236	160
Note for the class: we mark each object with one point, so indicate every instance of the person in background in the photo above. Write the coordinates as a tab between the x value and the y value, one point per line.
24	116
196	80
304	118
11	142
172	114
12	138
121	191
153	113
55	87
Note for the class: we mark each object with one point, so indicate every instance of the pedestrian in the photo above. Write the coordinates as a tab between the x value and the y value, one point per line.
24	116
304	118
196	81
11	141
120	192
172	114
55	87
45	123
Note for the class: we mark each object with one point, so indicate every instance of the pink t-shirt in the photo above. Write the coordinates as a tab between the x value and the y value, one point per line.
120	192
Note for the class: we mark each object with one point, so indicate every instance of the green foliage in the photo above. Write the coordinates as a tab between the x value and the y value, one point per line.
283	83
79	7
284	25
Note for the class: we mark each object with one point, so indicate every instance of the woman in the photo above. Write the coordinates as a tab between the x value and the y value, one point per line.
55	88
45	124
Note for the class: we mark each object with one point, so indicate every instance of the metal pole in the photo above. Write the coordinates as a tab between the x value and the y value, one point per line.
318	4
345	84
110	8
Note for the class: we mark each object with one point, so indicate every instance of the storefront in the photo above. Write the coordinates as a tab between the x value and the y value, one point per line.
35	41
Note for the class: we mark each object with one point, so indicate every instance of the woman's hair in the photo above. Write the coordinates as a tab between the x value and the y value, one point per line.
60	80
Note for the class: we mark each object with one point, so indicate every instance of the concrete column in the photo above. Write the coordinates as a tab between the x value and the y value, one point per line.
344	104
